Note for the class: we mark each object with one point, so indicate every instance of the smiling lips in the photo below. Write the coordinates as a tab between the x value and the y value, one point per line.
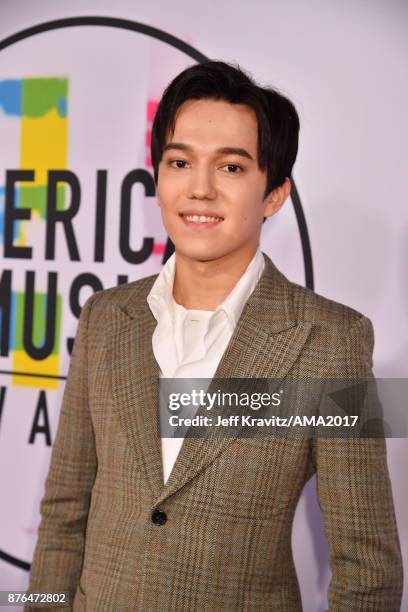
197	220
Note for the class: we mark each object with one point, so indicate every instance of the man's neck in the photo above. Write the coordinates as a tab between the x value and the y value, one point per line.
203	285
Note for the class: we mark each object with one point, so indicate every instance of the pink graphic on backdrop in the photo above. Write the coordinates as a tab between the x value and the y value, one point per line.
151	111
152	105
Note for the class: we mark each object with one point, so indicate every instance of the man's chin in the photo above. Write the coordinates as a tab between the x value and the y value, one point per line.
198	255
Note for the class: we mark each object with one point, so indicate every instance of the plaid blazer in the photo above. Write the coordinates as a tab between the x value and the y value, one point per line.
229	502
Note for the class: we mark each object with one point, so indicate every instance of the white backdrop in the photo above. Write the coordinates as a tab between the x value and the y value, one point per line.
343	65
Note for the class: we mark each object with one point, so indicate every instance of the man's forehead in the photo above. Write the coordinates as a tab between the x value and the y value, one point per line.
204	110
217	125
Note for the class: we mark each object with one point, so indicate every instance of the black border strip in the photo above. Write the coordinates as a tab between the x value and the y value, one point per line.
304	235
14	561
34	374
112	22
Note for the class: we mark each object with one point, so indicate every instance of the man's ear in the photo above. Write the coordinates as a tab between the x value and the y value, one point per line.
276	198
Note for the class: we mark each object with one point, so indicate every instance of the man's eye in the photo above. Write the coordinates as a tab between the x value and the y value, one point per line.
177	163
232	168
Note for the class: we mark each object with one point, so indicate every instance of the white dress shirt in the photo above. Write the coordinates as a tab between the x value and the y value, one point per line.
190	343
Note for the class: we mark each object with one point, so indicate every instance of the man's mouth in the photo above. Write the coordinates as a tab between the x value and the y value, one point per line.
196	219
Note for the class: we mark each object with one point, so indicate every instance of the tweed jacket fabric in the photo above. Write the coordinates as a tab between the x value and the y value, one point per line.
229	502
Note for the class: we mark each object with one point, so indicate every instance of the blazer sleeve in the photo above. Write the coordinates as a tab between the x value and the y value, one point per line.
355	496
58	555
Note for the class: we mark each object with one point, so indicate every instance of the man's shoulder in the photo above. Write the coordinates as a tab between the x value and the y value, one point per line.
312	307
298	304
133	293
335	328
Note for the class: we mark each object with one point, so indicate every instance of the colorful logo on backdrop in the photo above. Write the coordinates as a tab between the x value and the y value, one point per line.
68	226
31	320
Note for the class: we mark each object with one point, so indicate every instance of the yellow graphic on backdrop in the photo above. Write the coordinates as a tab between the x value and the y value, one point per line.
43	147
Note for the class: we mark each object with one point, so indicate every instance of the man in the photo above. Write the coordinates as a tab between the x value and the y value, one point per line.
133	522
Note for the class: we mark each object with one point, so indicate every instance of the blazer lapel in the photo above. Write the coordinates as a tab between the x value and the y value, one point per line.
265	344
135	375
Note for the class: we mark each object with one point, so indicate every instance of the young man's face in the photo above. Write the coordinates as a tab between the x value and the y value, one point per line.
210	188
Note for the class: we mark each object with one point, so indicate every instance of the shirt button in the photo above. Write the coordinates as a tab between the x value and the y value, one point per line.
159	517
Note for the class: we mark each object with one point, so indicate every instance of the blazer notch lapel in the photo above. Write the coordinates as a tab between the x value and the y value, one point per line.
135	374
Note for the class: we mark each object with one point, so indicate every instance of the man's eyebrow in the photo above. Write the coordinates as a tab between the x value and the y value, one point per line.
180	146
235	151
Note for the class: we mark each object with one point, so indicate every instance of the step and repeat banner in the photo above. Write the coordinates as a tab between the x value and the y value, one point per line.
78	213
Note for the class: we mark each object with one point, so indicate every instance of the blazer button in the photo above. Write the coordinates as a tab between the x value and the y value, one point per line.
159	517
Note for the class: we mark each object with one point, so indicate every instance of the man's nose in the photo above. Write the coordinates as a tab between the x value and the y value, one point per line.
202	184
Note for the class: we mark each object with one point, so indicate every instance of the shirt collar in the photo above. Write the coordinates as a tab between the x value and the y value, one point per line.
237	298
160	297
